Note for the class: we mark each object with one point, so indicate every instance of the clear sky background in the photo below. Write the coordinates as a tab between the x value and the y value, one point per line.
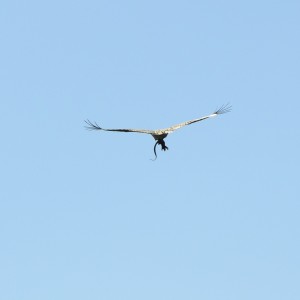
88	215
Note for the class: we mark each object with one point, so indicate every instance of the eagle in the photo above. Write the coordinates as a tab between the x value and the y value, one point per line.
160	134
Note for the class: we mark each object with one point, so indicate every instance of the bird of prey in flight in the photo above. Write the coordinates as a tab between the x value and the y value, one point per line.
160	134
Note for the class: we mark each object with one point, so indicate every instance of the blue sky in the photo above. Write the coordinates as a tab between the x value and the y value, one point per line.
88	215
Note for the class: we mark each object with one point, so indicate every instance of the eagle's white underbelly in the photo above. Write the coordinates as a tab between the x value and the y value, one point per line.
159	136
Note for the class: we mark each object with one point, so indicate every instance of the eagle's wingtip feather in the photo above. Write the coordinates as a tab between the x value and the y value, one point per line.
92	126
224	109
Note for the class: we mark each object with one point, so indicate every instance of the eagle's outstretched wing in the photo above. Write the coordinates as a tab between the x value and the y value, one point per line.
161	133
95	126
222	110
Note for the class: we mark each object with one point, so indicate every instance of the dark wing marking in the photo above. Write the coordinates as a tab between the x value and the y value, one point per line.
95	126
222	110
